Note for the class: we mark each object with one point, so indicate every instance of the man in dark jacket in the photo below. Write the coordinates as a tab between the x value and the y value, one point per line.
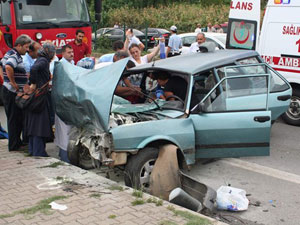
14	80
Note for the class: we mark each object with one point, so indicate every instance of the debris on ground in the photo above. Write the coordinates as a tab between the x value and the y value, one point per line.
57	206
232	199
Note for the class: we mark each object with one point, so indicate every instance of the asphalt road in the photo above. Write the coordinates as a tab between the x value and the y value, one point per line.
272	182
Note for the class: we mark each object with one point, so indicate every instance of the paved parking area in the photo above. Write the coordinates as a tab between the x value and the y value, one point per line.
29	184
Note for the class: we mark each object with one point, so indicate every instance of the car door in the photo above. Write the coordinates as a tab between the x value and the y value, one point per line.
233	119
280	90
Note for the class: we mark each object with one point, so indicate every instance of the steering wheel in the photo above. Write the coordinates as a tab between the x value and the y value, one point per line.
176	97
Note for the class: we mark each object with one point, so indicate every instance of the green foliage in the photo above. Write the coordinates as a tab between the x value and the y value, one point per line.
192	219
42	206
95	195
116	188
54	165
112	216
185	18
185	14
103	43
138	201
158	202
137	193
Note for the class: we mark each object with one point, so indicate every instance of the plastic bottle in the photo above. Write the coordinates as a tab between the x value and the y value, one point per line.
162	47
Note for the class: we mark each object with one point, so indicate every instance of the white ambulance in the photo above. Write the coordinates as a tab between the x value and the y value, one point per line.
278	41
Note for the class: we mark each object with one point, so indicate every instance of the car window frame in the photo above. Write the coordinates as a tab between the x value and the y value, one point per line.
231	111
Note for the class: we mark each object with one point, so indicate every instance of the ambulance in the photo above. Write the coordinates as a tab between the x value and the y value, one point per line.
278	40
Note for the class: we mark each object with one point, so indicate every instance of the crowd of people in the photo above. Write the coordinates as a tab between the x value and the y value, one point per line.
217	28
29	66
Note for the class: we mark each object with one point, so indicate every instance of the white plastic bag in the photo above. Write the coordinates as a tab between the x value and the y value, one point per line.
232	199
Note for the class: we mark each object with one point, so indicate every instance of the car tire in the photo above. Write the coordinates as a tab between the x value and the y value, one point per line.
139	167
79	156
292	115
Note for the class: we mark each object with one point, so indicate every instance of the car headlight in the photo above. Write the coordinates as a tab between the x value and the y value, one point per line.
38	36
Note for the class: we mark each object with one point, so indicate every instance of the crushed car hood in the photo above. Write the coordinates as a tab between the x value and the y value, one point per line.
82	97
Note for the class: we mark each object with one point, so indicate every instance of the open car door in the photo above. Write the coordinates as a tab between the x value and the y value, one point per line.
233	120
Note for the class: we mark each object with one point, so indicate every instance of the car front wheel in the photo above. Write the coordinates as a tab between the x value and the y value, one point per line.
292	115
139	167
79	156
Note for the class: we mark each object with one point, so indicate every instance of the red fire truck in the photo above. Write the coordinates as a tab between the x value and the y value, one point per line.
54	20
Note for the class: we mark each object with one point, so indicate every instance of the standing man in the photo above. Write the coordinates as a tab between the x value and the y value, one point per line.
61	129
174	44
14	80
80	48
31	55
198	28
210	28
68	54
200	40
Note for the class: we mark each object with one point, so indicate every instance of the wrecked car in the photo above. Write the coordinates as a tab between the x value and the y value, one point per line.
231	100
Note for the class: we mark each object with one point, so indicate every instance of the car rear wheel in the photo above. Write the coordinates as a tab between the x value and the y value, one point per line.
292	115
79	156
139	167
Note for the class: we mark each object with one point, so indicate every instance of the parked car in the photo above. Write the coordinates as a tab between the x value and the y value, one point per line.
189	38
115	34
156	33
231	99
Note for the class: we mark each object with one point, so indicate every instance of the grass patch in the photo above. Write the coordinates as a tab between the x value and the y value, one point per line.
42	206
95	195
65	180
137	193
191	218
157	202
138	201
167	222
112	216
54	165
116	188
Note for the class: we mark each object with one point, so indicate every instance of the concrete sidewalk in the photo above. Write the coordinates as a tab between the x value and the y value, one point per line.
29	184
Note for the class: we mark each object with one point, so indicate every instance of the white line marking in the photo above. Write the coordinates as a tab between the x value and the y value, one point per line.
279	174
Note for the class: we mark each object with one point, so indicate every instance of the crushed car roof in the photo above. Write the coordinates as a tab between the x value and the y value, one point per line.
196	62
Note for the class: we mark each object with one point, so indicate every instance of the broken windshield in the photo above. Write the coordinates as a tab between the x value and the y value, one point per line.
56	12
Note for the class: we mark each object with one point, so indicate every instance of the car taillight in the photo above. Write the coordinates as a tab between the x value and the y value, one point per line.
165	35
152	38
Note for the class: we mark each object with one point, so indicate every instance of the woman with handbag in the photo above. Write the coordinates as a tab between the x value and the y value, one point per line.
38	124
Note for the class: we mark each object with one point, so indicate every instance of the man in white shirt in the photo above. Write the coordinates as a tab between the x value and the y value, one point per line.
210	28
175	43
61	129
198	29
31	55
200	40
